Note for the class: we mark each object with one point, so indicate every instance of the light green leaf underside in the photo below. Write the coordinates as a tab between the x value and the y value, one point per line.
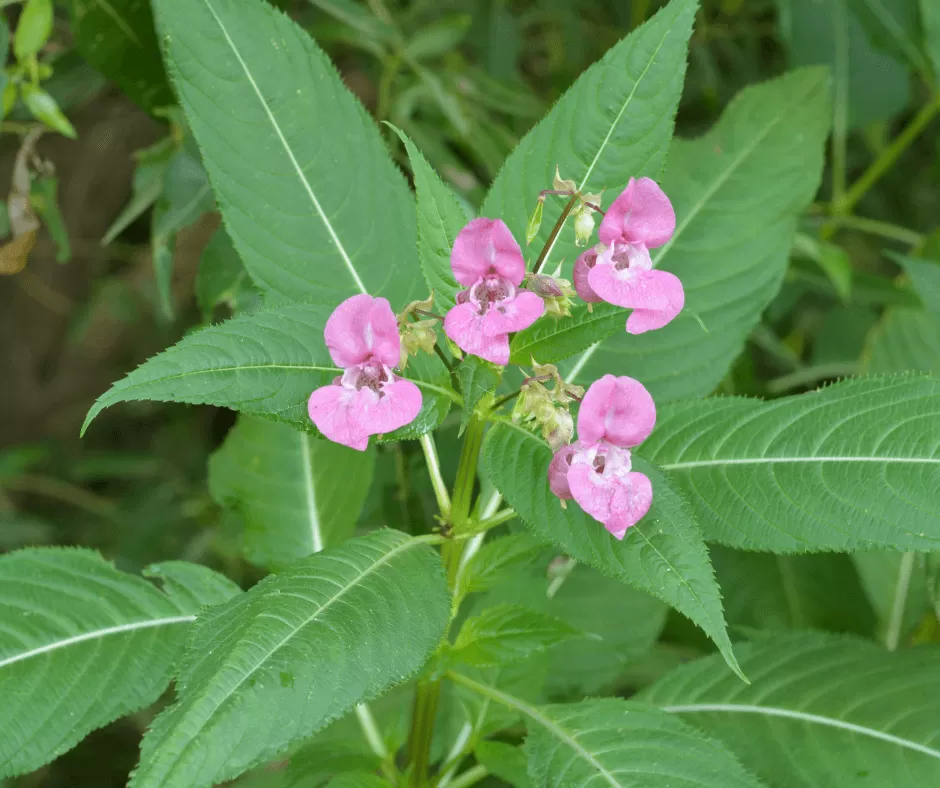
896	587
821	710
296	494
440	217
733	233
82	644
618	743
614	123
297	651
850	466
264	364
663	555
309	195
902	341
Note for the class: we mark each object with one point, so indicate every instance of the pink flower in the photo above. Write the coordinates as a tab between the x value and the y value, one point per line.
487	260
367	399
596	471
621	271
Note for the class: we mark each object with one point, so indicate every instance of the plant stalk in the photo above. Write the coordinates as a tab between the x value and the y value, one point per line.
543	255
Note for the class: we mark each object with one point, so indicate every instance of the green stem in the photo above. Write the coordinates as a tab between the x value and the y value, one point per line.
840	112
807	376
543	255
887	158
467	473
422	730
470	777
434	471
892	232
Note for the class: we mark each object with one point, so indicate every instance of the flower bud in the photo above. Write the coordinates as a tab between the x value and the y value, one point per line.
558	428
583	226
555	292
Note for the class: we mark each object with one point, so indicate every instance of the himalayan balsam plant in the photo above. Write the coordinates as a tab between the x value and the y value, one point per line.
552	354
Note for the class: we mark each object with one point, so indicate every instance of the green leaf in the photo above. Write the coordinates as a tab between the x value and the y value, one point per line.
44	108
874	85
925	277
891	26
851	466
439	37
617	743
265	364
930	19
309	195
822	710
147	185
32	29
896	586
780	592
496	560
614	123
551	341
186	194
477	379
833	260
44	196
904	340
733	235
296	494
504	761
440	217
299	649
222	278
507	633
83	644
663	555
358	780
118	38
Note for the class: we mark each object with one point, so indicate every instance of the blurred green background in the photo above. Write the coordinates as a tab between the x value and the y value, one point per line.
127	216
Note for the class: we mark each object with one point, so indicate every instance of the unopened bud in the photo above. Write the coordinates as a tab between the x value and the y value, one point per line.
558	428
583	227
557	293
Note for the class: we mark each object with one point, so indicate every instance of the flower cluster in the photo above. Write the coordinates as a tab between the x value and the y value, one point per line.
596	471
499	298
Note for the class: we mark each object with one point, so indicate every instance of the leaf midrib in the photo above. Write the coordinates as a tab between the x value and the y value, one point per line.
680	466
290	153
96	634
803	716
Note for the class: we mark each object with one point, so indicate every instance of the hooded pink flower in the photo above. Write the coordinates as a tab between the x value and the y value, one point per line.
621	271
367	399
487	261
596	471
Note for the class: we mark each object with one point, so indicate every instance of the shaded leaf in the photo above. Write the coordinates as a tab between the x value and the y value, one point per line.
477	379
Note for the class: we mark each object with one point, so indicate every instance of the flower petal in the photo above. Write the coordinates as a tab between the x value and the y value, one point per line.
360	328
329	410
630	503
513	314
631	288
641	214
485	246
399	405
558	471
582	267
643	320
591	490
465	327
618	410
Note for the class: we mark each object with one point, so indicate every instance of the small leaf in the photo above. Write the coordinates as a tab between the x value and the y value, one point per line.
833	261
296	494
44	196
504	761
851	466
67	613
496	560
551	341
508	633
930	18
43	107
147	185
663	555
118	38
440	217
222	278
870	715
299	649
32	29
477	378
439	37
